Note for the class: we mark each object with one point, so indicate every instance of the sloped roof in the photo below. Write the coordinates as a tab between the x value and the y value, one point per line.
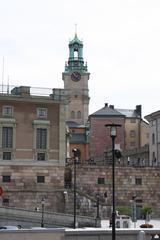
107	111
130	113
75	40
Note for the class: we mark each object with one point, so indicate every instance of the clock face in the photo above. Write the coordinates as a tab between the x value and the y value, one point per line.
76	76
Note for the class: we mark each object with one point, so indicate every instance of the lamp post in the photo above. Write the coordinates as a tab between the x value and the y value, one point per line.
75	160
43	205
113	134
98	218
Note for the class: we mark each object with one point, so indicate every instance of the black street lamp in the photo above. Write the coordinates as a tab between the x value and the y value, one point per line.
98	218
43	205
76	154
113	134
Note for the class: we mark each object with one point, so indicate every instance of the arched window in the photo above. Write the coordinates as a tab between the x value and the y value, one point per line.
72	114
79	114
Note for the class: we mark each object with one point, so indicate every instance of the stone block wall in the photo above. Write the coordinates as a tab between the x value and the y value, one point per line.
141	182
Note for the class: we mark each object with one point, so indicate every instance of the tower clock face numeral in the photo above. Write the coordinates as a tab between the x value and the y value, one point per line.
76	76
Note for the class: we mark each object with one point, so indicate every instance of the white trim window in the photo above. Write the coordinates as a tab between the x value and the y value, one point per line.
41	138
7	111
42	113
7	137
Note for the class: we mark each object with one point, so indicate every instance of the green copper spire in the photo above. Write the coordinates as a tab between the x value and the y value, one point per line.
75	60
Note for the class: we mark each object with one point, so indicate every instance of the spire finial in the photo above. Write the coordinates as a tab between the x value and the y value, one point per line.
75	29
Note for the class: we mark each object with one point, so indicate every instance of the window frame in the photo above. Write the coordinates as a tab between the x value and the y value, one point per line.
7	137
42	113
40	179
100	180
7	113
6	178
138	181
41	140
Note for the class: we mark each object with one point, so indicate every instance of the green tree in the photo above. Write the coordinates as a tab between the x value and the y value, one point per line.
146	210
123	210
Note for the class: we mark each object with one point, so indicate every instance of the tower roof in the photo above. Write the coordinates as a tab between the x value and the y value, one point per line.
75	40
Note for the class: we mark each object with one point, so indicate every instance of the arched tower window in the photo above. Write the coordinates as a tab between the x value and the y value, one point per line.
72	114
79	114
75	54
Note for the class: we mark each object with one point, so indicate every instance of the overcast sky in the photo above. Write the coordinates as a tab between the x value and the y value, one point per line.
121	46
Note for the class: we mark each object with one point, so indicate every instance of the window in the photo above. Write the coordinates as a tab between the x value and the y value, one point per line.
153	138
101	180
6	155
41	138
41	156
42	112
153	157
7	111
138	181
7	137
6	178
5	201
79	114
72	114
40	179
153	123
132	133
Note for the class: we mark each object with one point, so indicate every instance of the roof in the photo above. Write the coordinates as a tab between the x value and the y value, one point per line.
75	40
130	113
152	116
108	111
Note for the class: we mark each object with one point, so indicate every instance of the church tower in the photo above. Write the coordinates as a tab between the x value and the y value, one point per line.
75	79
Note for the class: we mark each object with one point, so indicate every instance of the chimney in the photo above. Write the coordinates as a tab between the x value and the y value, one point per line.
111	106
139	110
106	105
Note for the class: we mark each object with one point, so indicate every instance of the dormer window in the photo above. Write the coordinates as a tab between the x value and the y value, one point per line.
42	112
7	111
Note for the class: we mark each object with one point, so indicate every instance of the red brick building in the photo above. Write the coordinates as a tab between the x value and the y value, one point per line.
100	139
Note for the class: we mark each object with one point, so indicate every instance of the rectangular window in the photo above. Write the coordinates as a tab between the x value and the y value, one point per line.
6	155
101	180
7	111
40	179
42	112
153	138
132	133
6	178
5	201
138	181
7	137
41	156
41	139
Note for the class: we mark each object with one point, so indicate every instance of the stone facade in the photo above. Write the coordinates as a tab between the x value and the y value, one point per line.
32	149
154	137
141	182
